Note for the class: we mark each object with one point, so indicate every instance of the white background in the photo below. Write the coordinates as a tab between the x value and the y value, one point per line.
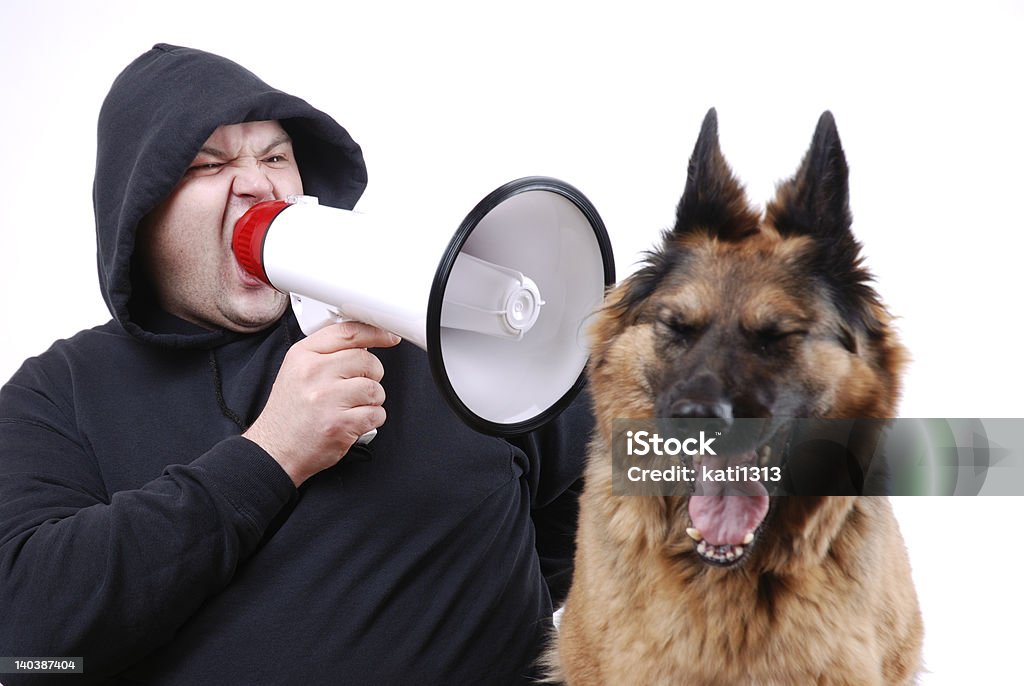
443	95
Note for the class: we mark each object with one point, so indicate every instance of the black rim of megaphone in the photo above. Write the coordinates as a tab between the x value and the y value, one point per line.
434	352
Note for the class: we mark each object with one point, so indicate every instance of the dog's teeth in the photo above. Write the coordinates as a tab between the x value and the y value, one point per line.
766	454
694	534
738	550
749	538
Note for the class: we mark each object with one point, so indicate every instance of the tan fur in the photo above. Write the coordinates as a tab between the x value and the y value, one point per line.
826	595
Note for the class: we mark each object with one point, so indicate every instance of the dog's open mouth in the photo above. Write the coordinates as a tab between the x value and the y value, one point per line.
728	505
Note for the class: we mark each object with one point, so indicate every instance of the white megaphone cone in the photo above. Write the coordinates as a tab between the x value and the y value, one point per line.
499	306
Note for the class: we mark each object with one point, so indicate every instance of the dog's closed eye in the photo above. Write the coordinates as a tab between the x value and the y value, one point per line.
773	338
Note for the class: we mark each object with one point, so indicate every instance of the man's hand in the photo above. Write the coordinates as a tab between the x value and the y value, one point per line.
327	394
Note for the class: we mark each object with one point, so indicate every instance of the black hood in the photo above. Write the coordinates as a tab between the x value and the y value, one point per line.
159	112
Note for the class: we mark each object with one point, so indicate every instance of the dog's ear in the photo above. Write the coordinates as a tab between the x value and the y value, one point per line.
713	199
713	203
816	203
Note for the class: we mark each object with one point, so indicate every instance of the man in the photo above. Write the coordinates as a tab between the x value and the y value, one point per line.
181	497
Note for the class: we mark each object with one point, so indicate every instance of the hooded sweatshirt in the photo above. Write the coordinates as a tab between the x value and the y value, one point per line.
140	532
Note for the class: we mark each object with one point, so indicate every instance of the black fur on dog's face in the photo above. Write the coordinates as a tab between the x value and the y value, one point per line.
739	315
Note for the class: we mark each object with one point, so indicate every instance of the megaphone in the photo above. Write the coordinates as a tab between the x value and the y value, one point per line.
499	307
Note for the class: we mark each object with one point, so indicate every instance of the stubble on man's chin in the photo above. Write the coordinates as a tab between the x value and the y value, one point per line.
263	318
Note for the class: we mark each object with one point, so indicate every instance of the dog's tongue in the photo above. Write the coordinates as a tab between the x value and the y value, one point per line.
726	511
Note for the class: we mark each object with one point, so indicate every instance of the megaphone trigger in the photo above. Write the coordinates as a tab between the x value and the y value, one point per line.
312	314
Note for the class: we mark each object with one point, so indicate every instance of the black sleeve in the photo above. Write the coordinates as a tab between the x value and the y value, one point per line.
111	577
557	455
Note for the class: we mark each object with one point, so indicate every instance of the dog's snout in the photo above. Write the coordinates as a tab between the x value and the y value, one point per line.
713	415
700	400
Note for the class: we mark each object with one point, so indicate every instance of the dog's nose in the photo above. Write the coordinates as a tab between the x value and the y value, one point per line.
711	415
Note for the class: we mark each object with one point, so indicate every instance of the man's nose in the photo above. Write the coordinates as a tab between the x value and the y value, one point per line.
252	180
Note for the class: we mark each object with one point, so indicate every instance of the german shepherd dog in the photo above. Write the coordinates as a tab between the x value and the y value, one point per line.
742	315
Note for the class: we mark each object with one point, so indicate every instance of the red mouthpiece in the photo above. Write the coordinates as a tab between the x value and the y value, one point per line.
250	232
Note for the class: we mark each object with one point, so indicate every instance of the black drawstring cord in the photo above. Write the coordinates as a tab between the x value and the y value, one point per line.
218	389
218	385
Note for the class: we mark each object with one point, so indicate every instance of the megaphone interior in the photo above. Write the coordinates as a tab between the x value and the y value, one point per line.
500	307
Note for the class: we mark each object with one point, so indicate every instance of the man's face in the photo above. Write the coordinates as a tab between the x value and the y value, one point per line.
186	241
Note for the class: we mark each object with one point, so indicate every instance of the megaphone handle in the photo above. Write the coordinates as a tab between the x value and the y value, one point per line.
314	315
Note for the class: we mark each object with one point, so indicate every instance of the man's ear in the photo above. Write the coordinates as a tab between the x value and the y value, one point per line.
713	200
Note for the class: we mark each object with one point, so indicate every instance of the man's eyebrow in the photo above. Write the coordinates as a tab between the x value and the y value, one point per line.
280	140
214	152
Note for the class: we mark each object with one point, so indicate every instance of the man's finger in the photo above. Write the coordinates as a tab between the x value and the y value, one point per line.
346	335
